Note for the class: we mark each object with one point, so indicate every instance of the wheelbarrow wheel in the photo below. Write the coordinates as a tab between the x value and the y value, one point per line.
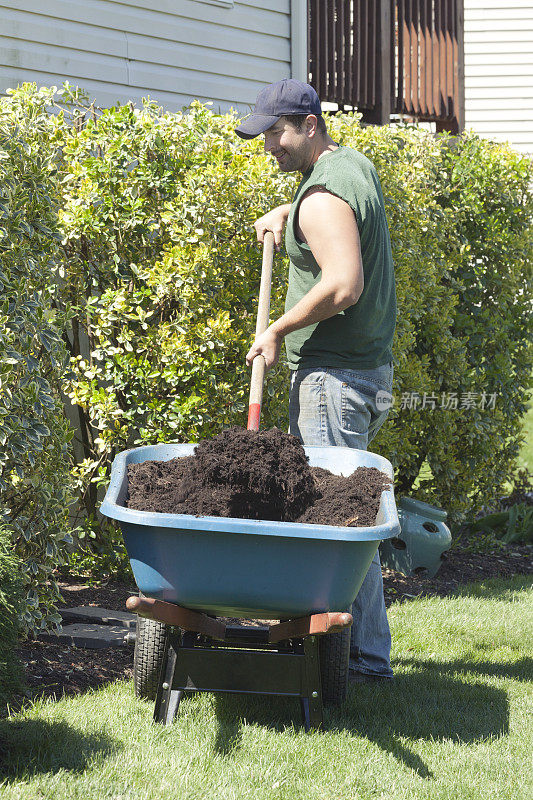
151	637
334	652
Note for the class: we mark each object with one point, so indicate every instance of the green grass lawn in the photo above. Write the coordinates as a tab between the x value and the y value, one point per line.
453	724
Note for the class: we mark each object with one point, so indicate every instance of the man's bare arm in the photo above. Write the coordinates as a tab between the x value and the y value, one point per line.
329	227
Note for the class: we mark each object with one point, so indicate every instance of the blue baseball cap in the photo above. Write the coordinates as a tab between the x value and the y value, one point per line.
288	96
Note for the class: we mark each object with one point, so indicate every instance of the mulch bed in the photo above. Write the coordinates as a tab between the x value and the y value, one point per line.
53	670
459	568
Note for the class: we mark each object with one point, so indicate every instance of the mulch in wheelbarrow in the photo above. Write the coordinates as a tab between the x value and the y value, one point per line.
255	475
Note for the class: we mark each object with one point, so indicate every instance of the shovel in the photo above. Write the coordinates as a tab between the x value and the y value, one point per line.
258	364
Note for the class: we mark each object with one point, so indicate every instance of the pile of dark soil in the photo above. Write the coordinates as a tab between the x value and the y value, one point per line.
351	501
252	475
238	473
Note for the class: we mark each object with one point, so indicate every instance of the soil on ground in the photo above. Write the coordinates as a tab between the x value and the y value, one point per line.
255	475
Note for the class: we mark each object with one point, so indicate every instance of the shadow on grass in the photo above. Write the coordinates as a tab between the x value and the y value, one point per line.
29	747
235	710
431	702
520	670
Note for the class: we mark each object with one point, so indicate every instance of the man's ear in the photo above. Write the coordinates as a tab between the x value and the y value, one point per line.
310	125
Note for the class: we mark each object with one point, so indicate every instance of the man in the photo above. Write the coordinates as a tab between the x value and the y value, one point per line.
340	309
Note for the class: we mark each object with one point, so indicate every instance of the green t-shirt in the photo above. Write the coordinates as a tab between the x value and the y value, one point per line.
361	335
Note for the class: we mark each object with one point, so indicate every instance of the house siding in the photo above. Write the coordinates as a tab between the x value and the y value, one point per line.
499	70
171	50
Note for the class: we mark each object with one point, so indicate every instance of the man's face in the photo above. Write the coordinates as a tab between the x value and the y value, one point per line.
289	146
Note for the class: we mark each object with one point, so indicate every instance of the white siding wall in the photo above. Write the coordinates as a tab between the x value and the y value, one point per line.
499	70
171	50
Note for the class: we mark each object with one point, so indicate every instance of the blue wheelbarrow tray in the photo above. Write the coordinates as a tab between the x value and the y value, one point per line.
249	568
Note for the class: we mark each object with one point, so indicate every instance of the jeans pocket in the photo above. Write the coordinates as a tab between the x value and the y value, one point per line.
306	405
307	376
357	403
381	377
376	378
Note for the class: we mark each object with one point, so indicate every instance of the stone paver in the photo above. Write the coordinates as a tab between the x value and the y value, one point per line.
88	635
103	616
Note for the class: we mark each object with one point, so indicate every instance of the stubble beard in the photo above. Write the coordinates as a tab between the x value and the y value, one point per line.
292	163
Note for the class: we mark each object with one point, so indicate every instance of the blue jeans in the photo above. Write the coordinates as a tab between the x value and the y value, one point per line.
343	407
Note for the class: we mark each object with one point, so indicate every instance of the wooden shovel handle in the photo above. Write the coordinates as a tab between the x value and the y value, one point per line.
263	311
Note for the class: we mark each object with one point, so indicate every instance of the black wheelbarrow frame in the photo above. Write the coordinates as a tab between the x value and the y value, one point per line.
179	652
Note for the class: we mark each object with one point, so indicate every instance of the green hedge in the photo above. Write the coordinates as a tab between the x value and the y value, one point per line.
158	237
11	606
160	225
460	214
160	278
35	461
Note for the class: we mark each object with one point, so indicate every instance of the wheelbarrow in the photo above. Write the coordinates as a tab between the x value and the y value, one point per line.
191	571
